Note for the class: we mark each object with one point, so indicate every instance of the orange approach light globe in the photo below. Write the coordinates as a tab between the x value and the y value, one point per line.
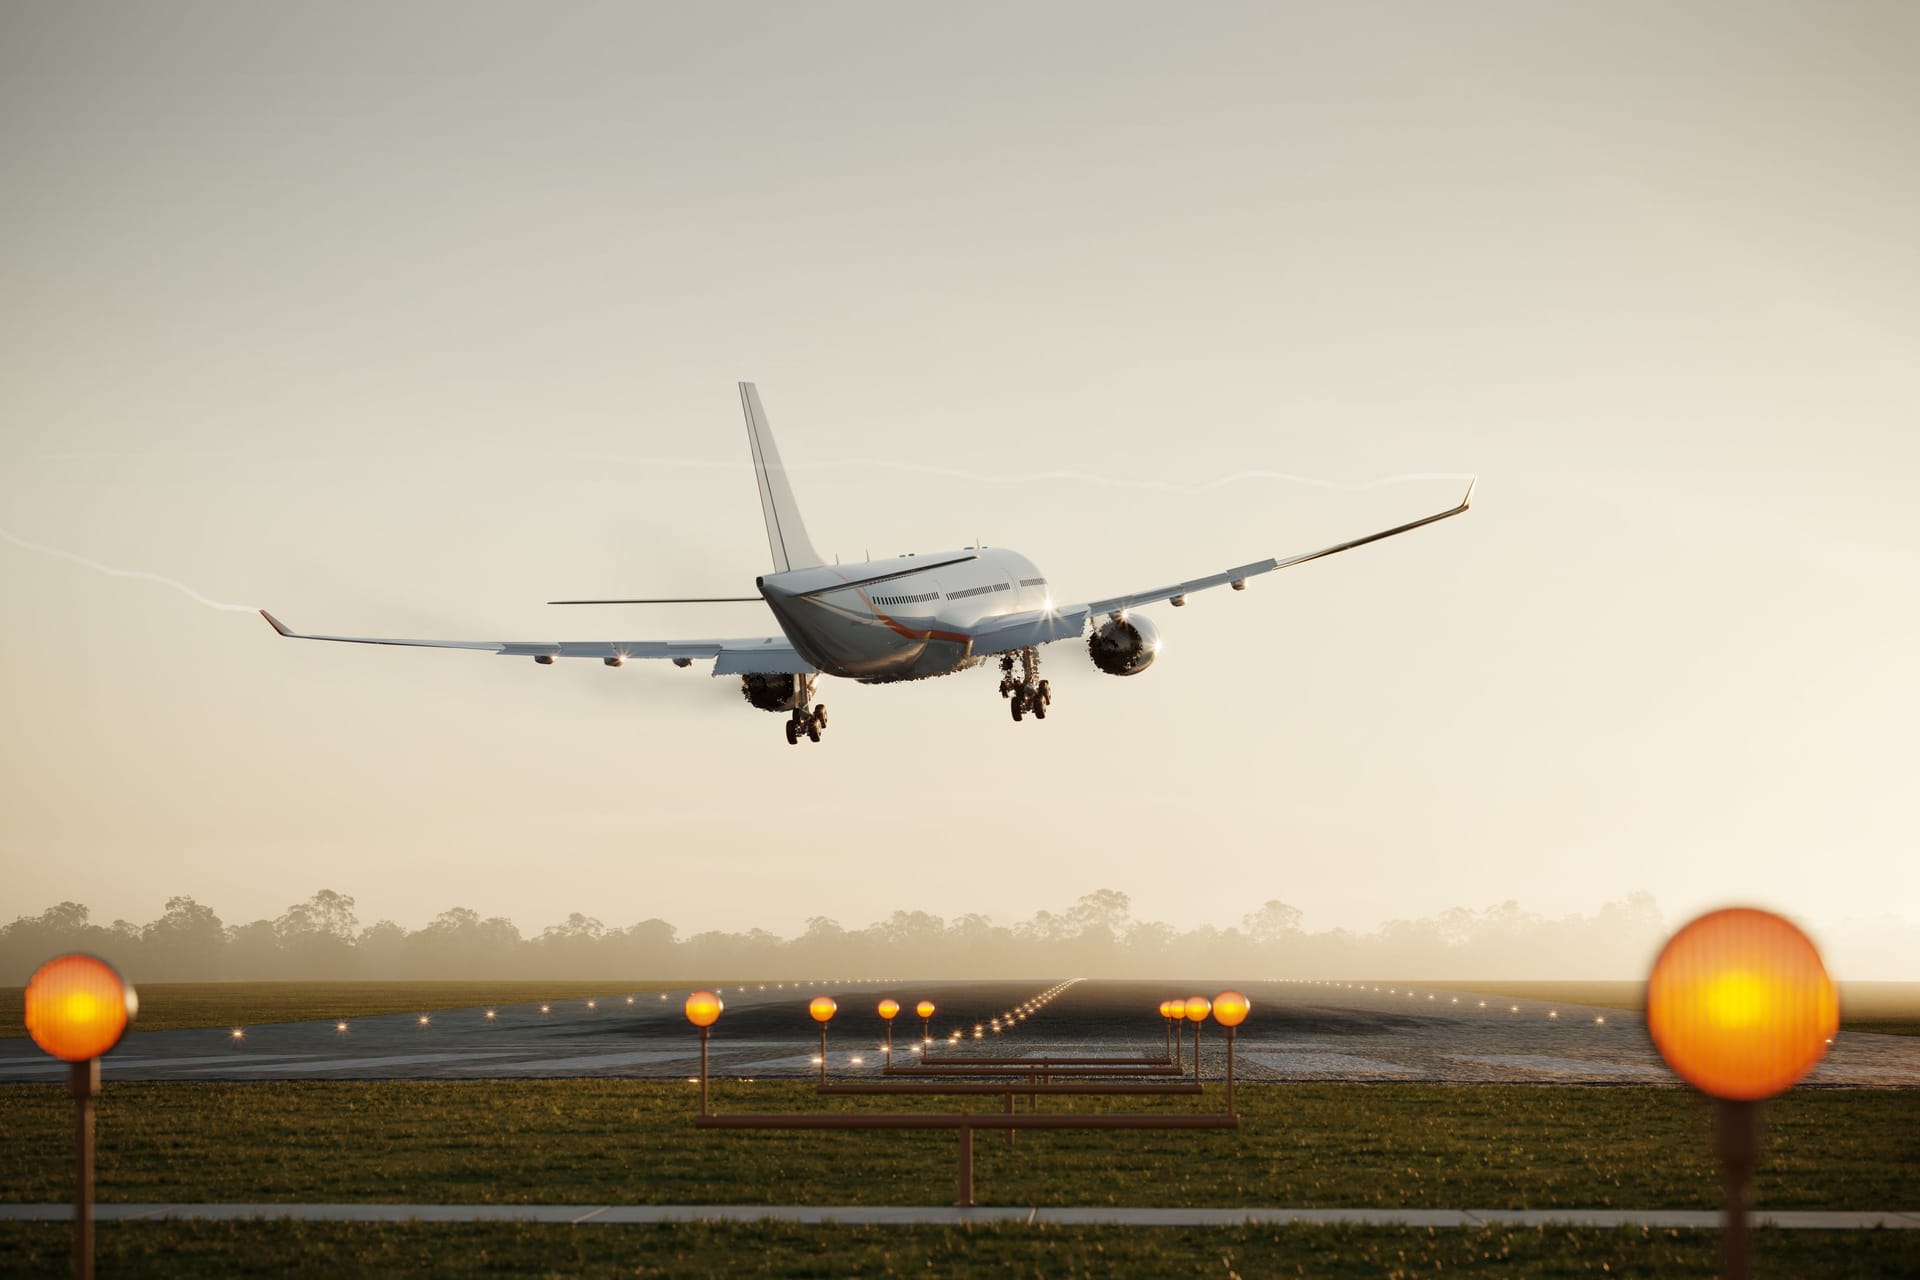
1197	1008
704	1008
78	1007
1740	1005
924	1008
889	1009
1230	1008
823	1008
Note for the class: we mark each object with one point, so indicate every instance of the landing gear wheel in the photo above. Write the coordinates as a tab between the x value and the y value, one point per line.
793	732
1019	706
1046	692
820	714
1039	708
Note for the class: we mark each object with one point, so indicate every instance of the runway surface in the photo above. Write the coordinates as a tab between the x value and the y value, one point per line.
1297	1031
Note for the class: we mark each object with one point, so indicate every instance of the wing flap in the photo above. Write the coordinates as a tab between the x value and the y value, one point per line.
1025	630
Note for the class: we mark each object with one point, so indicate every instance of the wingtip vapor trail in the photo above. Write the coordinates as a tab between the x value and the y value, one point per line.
111	572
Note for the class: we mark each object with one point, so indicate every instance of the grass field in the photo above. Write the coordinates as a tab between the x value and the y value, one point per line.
621	1141
175	1006
1884	1008
505	1249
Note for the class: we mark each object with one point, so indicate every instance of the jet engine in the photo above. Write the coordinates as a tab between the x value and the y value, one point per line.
777	693
1124	646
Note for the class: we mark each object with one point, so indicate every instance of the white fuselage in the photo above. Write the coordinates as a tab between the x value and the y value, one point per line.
908	627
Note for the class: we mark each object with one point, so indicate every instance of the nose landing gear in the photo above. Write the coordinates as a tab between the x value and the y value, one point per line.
1027	692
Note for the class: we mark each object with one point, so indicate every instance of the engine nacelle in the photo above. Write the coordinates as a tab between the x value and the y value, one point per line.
1124	646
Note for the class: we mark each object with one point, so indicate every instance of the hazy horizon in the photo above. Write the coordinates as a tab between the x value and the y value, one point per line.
402	321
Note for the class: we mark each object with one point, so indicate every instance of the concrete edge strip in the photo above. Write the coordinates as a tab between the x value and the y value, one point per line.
882	1215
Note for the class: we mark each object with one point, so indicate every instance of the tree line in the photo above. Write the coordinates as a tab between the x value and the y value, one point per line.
322	938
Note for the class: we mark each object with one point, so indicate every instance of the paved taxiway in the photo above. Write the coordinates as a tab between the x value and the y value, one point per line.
1298	1031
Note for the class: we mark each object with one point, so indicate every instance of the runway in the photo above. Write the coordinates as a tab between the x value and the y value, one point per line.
1368	1032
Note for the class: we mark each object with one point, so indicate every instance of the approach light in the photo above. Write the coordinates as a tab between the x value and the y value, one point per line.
889	1009
924	1009
1553	1013
629	999
423	1019
1197	1008
1740	1005
78	1006
545	1008
856	1060
822	1008
591	1005
490	1014
1230	1008
238	1033
704	1008
339	1026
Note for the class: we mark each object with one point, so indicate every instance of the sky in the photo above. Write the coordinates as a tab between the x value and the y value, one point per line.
402	320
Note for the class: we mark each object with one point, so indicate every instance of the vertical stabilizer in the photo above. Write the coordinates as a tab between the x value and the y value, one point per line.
786	533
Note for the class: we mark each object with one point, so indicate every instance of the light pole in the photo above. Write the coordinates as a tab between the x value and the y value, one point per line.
1741	1007
889	1010
703	1010
1197	1008
823	1008
925	1010
77	1008
1230	1009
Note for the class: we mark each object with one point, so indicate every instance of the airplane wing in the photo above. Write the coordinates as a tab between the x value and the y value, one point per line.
1005	635
770	655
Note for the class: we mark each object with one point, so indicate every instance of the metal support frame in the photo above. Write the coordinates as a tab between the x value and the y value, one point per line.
1736	1141
704	1032
85	1080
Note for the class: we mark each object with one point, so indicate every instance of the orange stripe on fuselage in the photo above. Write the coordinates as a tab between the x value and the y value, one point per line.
901	629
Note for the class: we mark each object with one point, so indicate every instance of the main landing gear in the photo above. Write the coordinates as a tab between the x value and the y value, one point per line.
808	725
1027	692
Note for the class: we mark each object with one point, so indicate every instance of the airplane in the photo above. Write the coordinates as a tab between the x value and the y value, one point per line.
889	621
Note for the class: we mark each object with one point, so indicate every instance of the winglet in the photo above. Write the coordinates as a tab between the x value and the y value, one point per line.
275	623
1468	500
